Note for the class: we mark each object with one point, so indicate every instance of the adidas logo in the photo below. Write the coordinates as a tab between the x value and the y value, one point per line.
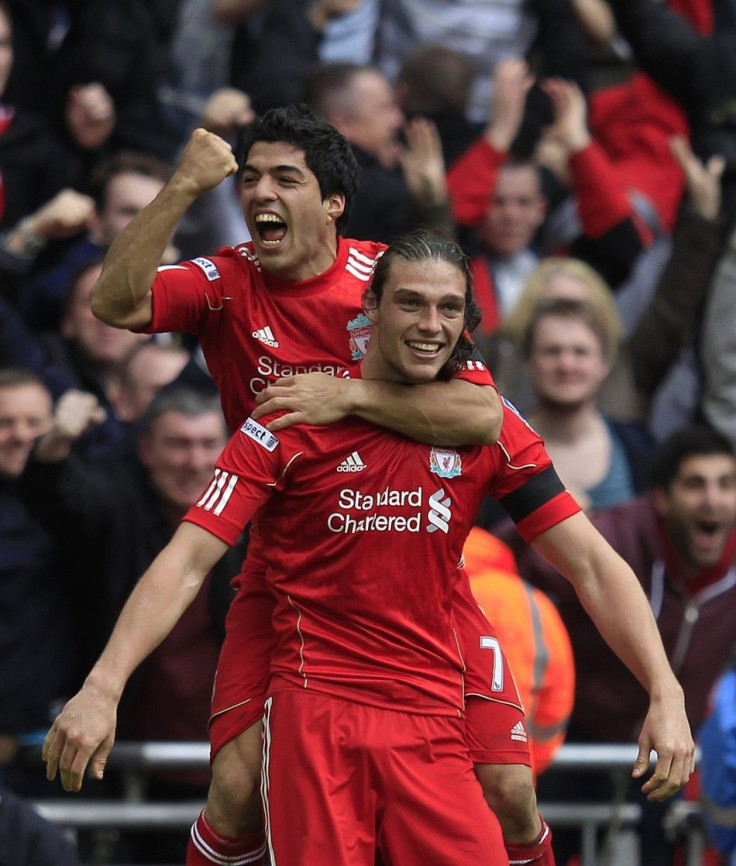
265	335
352	464
519	733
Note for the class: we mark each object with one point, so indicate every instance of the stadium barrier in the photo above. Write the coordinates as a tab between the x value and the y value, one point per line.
133	811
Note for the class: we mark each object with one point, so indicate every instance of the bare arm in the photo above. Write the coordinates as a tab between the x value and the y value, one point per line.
85	728
613	597
122	295
438	413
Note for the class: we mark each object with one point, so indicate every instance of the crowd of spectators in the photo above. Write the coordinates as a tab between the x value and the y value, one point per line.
582	151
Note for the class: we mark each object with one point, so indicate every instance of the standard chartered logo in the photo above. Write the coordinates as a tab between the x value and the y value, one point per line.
439	512
359	511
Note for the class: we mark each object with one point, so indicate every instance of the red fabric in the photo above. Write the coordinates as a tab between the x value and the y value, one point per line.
207	846
341	779
634	123
485	295
6	118
539	852
471	180
698	12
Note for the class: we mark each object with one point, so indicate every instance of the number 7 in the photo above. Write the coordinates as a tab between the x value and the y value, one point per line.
492	643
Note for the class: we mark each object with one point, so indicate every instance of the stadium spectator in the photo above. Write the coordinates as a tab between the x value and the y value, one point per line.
89	354
111	518
146	370
28	839
401	186
717	349
34	164
680	540
717	768
39	661
121	186
569	349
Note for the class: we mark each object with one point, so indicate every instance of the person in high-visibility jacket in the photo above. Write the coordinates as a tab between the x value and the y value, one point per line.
533	637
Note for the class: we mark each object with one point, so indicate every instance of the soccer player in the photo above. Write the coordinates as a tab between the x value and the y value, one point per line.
366	674
286	302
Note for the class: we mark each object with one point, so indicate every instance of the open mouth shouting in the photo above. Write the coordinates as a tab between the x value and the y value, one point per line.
271	229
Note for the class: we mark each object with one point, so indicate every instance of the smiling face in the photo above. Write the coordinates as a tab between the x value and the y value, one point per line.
566	362
418	321
292	227
180	453
699	508
25	414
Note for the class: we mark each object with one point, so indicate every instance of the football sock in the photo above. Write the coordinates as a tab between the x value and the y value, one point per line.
537	852
207	846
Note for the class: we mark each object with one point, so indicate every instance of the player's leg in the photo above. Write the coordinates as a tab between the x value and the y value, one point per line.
430	805
317	794
496	735
230	828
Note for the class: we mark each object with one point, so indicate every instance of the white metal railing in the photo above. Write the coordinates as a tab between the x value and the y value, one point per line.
134	760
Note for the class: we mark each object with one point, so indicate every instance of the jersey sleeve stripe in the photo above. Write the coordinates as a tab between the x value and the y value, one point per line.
226	495
534	493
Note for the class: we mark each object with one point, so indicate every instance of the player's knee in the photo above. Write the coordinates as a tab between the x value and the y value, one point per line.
509	791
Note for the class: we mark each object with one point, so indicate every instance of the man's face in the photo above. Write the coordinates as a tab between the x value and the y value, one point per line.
516	212
101	344
25	414
374	119
699	508
566	362
179	452
292	227
6	51
126	195
418	321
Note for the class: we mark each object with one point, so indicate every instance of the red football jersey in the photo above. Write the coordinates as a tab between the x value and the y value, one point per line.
366	528
254	328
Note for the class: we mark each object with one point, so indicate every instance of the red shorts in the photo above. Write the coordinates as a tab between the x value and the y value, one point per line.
342	780
245	659
495	725
495	720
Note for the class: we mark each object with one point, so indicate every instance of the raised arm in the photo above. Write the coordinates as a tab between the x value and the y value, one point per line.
438	413
85	728
615	601
122	295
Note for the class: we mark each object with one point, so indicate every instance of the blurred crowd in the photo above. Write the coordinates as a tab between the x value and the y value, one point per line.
584	154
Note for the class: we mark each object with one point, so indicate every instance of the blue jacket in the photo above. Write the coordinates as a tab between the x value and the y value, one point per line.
718	767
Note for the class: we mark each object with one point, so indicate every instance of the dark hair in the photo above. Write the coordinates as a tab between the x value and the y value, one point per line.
178	398
420	246
327	153
124	162
693	441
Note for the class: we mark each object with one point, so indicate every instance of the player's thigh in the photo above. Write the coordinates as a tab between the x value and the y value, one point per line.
317	796
433	807
233	799
242	671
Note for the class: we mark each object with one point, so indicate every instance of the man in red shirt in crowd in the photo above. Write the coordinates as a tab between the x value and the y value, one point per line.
364	643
